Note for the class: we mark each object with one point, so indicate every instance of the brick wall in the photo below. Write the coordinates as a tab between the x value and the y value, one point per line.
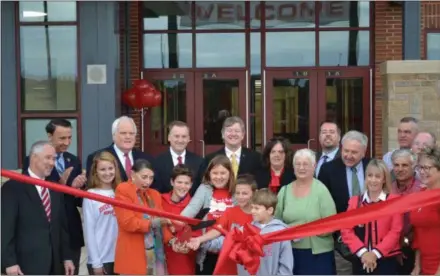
430	20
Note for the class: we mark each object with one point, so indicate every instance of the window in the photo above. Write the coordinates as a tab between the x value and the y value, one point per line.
433	45
48	39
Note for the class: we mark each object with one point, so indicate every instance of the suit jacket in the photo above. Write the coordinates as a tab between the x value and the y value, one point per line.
130	248
263	177
28	238
250	162
71	202
334	176
163	167
319	154
137	154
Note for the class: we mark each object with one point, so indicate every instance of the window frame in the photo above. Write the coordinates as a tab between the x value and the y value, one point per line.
427	32
22	114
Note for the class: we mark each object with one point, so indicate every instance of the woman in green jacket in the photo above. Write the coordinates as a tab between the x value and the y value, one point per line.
305	200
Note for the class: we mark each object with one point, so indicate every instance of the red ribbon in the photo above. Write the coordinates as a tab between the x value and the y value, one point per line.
247	248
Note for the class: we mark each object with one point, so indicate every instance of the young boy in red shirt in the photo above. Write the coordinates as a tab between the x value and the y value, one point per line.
174	202
236	216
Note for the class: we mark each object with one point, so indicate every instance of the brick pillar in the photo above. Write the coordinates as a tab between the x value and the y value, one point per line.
430	20
387	46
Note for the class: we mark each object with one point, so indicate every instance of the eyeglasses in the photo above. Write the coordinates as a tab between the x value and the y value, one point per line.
424	168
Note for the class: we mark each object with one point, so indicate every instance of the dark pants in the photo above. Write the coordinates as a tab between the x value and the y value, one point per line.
208	265
108	268
307	263
408	261
76	258
385	266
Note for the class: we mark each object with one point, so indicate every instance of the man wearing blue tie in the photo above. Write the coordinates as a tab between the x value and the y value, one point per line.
329	138
67	171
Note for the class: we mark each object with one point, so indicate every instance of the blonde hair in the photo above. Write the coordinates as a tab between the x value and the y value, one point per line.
103	156
382	167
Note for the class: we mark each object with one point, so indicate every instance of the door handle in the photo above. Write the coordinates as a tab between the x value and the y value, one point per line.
203	147
308	142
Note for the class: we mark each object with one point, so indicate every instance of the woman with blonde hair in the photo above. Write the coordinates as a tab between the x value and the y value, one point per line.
376	243
100	225
215	193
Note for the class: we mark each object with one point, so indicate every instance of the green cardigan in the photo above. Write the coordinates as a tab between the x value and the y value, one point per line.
294	211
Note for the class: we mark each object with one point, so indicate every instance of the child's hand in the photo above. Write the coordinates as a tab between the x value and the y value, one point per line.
180	247
194	243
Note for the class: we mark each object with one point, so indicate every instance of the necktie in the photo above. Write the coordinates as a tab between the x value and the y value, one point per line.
324	159
45	198
234	164
355	186
59	165
179	160
127	165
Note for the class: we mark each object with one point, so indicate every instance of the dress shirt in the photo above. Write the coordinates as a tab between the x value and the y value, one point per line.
237	154
330	156
121	156
361	177
33	175
174	156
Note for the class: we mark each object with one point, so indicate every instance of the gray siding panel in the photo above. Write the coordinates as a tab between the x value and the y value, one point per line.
411	30
9	136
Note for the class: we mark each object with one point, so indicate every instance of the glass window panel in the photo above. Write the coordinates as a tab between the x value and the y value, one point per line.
164	15
48	67
255	53
173	107
168	50
35	130
344	48
285	49
214	15
220	100
433	46
344	103
290	14
291	109
344	14
43	11
255	14
220	50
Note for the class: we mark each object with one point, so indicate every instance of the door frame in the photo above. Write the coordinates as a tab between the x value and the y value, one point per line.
363	73
268	76
153	144
243	103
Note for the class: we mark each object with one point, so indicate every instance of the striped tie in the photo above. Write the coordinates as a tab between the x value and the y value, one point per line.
45	198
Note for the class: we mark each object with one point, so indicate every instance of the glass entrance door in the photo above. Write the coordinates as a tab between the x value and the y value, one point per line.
218	95
344	97
177	104
290	107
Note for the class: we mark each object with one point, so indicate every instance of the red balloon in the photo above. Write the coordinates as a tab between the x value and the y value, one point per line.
143	84
129	98
157	98
145	97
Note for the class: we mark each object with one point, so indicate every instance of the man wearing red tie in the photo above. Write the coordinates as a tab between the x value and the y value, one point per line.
35	237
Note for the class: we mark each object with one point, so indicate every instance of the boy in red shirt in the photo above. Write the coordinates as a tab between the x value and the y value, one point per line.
174	202
236	216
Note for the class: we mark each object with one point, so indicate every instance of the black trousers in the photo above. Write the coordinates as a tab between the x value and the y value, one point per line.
76	256
108	267
208	265
385	266
408	261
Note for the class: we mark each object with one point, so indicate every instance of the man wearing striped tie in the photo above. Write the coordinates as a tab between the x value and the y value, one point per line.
35	237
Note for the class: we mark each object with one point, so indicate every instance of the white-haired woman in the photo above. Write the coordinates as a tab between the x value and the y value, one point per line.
305	200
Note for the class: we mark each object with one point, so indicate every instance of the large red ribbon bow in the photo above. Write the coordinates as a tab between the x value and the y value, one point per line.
247	248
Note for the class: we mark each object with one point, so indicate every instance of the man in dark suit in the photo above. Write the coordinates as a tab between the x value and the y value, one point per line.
344	177
164	163
35	238
243	160
67	171
329	138
124	133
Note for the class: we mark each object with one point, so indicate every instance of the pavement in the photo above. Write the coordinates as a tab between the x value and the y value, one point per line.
83	260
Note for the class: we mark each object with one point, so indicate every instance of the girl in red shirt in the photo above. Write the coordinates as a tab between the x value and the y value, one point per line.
426	221
236	216
215	193
174	202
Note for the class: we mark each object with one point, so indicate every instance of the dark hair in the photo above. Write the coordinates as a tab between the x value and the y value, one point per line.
286	147
246	179
330	122
141	164
52	125
409	120
220	160
181	170
177	124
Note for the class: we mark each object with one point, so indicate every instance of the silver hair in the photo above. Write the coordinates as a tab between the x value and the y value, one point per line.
38	147
404	153
357	136
433	137
116	123
307	153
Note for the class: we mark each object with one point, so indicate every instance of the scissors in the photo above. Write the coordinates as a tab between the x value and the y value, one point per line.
184	233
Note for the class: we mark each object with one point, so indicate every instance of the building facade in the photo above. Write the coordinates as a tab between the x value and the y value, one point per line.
282	66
